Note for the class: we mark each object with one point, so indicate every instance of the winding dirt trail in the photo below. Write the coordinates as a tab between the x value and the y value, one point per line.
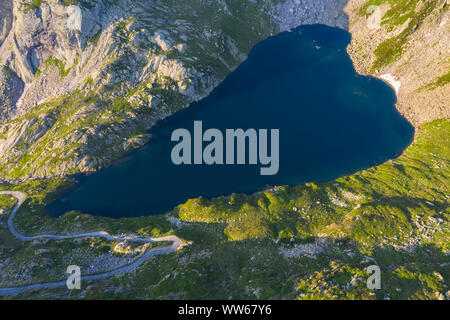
177	244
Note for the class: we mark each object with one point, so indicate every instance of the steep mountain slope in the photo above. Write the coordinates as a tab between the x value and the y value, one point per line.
410	45
82	80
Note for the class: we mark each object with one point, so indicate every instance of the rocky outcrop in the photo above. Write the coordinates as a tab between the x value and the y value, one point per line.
6	17
37	34
117	68
51	33
104	71
11	87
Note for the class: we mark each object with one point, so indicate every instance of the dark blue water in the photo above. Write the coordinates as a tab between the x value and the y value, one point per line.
332	122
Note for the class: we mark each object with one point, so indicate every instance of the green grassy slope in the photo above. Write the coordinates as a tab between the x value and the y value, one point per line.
311	241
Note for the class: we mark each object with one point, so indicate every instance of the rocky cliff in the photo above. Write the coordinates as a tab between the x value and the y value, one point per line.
405	43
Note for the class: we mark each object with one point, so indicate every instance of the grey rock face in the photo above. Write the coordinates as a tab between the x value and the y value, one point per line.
33	35
292	13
